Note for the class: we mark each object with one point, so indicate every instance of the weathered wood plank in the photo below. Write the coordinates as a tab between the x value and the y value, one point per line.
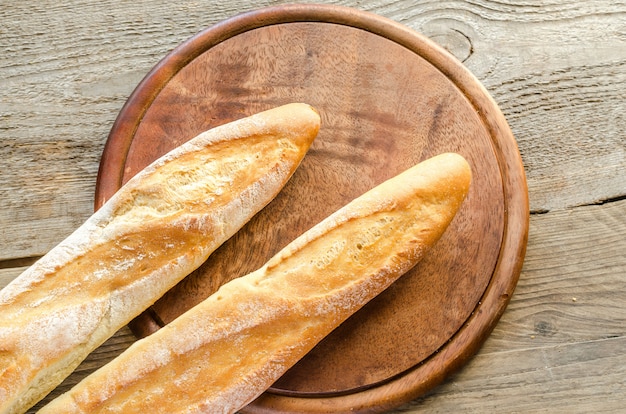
7	275
559	346
573	378
573	284
68	68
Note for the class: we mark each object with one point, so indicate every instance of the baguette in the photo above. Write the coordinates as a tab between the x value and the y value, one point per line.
224	352
154	231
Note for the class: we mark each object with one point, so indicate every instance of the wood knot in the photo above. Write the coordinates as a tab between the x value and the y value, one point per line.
545	328
452	35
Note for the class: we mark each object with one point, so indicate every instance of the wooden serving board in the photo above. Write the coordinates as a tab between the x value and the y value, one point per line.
388	98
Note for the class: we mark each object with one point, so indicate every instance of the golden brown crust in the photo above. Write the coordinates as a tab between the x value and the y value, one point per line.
223	353
157	229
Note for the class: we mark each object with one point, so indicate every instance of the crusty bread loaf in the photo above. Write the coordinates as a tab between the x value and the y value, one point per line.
223	353
153	232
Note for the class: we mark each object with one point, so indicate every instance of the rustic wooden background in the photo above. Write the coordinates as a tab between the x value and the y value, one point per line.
558	71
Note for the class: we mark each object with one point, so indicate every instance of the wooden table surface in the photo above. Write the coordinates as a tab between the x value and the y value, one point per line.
557	69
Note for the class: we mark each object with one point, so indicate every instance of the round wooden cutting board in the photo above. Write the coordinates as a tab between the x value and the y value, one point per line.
388	98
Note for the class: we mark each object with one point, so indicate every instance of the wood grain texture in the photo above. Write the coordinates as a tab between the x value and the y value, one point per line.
8	274
559	347
556	69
